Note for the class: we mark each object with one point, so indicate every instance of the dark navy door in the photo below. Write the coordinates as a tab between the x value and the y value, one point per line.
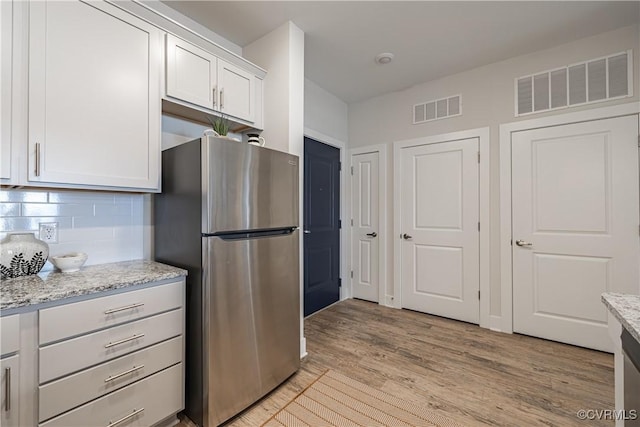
321	225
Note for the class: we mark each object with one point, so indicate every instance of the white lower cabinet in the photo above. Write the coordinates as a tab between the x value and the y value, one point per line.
9	370
10	393
59	396
143	403
120	372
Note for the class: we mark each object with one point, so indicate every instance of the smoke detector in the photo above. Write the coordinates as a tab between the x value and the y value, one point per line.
384	58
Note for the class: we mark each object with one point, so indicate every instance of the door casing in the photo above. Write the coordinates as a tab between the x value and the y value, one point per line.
505	322
483	136
345	290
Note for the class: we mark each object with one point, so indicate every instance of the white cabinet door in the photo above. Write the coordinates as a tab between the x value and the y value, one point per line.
191	73
575	227
94	96
9	394
6	12
237	91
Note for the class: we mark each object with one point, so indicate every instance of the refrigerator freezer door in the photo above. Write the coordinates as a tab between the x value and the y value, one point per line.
247	187
252	320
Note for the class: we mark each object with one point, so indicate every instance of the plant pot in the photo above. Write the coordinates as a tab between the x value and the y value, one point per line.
21	254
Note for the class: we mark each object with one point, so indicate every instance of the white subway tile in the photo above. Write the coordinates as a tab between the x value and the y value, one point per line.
87	197
9	209
107	226
56	209
66	235
101	209
19	224
23	196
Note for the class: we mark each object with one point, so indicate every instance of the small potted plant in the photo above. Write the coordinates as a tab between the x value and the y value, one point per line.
220	124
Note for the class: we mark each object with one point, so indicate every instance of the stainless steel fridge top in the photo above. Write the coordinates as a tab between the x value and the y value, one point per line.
246	187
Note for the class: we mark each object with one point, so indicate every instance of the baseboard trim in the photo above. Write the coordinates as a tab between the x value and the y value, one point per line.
495	323
303	348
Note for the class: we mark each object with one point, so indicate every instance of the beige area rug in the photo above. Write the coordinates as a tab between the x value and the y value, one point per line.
336	400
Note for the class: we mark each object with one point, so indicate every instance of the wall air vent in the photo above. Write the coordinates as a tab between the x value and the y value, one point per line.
437	109
596	80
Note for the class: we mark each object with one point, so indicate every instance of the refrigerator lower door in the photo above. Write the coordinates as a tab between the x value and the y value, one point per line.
252	320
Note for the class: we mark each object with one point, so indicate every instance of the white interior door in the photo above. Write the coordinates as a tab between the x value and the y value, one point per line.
575	227
439	222
365	240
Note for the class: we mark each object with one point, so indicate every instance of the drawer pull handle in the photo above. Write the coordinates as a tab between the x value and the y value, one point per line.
131	338
125	418
127	307
122	374
7	389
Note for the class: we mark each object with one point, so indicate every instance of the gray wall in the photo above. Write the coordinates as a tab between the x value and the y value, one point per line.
487	100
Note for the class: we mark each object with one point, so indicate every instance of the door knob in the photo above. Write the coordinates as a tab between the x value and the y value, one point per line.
523	243
307	231
405	236
374	234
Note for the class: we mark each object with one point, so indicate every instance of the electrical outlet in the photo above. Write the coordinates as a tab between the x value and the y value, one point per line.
49	232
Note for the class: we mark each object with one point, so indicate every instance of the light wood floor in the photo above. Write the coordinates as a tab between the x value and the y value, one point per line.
472	375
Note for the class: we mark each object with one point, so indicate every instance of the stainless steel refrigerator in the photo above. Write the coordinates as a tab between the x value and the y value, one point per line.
228	213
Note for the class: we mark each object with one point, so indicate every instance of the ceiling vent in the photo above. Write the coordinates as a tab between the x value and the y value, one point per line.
437	109
592	81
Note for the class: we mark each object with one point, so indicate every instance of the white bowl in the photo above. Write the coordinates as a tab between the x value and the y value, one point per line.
70	262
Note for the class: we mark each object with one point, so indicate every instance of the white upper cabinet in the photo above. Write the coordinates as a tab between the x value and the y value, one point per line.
237	91
5	88
94	97
191	73
200	78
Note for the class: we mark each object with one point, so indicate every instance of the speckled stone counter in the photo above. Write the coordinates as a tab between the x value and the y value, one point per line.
29	292
625	308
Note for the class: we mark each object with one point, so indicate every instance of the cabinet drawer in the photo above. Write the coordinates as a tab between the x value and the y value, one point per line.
9	334
145	402
72	391
79	353
69	320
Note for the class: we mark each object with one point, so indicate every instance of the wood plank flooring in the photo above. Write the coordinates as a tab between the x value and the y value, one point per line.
471	375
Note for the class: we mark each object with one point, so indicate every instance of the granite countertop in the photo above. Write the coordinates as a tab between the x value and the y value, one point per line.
625	308
50	286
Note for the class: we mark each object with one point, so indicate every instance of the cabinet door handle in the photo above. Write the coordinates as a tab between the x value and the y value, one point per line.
221	98
214	97
37	159
131	338
7	389
127	307
125	418
122	374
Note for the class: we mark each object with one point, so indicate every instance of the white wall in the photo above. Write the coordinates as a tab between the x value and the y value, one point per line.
487	100
324	112
281	53
109	227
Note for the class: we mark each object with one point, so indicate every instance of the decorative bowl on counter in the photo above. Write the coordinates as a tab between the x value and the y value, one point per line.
70	262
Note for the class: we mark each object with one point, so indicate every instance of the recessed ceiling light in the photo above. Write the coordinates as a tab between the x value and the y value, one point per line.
384	58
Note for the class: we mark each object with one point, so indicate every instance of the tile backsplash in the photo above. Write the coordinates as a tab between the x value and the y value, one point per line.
109	227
